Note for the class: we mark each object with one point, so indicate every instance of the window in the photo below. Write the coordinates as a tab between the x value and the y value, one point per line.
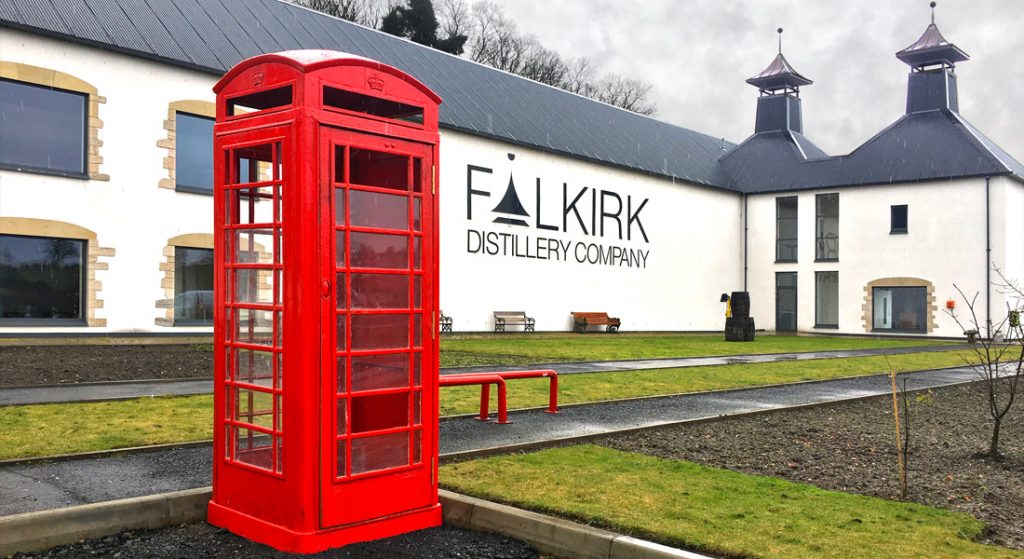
193	161
826	214
42	279
785	229
193	286
900	309
898	215
826	299
45	129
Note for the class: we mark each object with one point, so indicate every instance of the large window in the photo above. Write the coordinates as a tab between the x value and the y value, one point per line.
826	214
44	129
193	160
826	299
785	229
193	286
898	219
41	279
900	308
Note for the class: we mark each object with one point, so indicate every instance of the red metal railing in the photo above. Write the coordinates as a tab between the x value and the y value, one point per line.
485	380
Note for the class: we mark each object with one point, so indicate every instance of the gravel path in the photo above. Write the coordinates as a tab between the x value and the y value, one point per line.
202	540
850	447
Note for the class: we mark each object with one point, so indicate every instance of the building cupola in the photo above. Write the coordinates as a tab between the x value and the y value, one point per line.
778	107
932	81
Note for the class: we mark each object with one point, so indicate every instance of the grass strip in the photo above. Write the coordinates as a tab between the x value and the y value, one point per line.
520	349
48	429
596	387
717	511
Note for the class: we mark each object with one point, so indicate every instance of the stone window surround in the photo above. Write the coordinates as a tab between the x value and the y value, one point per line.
36	75
194	107
93	253
869	306
188	240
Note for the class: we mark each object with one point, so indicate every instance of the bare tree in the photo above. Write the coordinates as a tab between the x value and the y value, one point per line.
626	93
543	65
496	41
998	364
453	18
364	12
579	75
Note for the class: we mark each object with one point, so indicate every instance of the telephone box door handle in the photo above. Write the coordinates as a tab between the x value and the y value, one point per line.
325	289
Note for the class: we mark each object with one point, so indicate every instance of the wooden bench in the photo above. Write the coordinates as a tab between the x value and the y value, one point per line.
444	321
512	318
583	319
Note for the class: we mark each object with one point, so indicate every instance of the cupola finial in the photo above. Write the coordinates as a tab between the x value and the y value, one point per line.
780	40
933	12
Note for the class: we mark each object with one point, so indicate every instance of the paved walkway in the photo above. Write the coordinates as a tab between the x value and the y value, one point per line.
96	391
45	485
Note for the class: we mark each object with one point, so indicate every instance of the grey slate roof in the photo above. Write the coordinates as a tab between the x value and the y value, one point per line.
930	145
214	35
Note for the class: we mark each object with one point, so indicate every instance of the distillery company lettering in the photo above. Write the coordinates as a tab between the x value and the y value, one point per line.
584	210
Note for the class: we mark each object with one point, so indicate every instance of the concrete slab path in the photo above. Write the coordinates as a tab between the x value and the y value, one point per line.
98	391
26	487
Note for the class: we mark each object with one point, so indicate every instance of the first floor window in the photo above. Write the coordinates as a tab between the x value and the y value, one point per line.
898	219
826	303
193	286
827	227
44	128
41	279
900	309
785	229
193	160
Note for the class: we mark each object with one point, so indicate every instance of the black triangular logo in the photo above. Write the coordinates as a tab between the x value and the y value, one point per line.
510	205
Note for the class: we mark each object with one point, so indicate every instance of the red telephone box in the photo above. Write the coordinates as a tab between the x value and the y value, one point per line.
326	412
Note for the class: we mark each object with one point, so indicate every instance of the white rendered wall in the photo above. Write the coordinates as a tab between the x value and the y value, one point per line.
691	254
945	245
130	213
1008	242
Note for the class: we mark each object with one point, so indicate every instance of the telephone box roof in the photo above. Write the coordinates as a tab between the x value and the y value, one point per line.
932	48
310	60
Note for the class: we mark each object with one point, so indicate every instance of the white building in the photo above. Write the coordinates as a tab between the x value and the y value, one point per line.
106	174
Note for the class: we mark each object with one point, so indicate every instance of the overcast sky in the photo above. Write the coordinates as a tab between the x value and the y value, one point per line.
697	54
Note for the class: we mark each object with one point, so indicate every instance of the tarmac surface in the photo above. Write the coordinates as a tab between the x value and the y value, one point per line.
98	391
43	485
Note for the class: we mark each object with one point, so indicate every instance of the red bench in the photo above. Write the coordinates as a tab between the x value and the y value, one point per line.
583	319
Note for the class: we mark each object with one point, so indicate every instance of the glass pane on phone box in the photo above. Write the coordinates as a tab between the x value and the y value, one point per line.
380	331
254	367
375	168
377	209
379	250
380	452
380	291
371	372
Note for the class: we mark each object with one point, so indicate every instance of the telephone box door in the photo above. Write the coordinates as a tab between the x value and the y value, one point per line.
376	216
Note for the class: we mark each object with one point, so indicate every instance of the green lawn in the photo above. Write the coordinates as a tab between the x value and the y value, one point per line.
522	349
47	429
595	387
717	511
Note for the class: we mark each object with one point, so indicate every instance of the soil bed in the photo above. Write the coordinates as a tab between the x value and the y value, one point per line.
203	540
851	447
60	364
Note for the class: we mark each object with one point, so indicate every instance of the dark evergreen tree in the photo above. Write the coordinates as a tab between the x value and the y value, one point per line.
417	22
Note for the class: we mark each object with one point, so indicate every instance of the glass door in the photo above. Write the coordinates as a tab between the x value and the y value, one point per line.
376	452
785	302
